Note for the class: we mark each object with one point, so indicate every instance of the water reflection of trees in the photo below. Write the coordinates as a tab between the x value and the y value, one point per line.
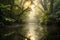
11	13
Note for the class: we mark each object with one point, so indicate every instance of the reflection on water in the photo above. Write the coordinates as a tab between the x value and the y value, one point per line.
35	31
31	31
31	26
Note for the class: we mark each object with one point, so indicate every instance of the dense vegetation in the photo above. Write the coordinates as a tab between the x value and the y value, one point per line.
11	13
51	18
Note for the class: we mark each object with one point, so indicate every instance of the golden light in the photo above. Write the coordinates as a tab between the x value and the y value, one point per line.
32	14
27	4
25	39
30	36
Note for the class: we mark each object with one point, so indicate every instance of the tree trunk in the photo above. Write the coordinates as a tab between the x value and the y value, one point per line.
51	6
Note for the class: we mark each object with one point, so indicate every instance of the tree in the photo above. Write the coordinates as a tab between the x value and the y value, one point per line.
10	13
50	18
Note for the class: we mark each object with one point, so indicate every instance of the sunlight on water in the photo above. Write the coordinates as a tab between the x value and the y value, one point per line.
31	22
31	26
31	31
31	36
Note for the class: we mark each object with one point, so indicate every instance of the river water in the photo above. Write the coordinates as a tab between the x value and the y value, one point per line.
35	31
32	29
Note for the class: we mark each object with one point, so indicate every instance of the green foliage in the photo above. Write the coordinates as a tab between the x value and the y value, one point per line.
11	13
43	18
52	20
14	14
48	18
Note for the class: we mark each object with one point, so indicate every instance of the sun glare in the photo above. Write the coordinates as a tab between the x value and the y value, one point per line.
32	14
30	36
27	4
31	20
